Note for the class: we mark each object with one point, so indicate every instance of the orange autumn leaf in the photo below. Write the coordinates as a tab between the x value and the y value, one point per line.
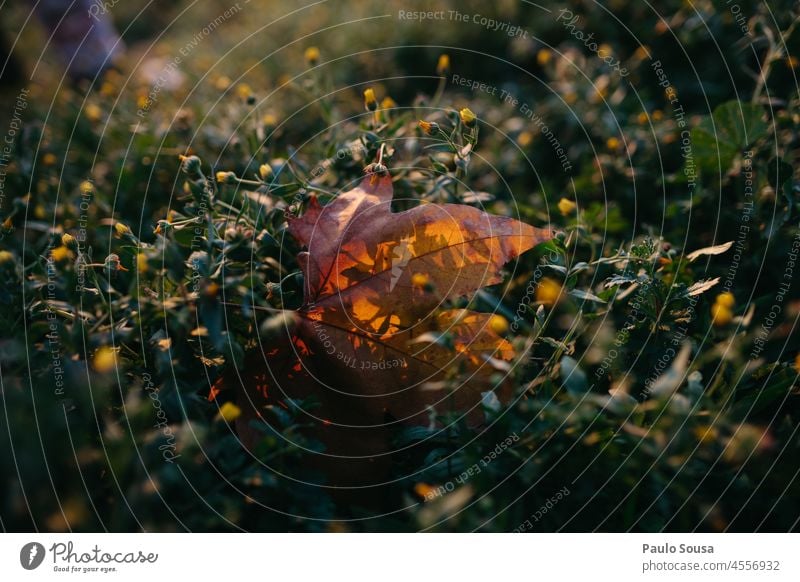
373	348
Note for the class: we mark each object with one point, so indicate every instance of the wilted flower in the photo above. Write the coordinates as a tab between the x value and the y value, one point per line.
112	263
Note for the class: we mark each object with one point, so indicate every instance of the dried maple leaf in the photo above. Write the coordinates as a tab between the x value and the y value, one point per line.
372	344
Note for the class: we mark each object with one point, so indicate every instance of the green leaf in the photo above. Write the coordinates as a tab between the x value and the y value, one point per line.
719	138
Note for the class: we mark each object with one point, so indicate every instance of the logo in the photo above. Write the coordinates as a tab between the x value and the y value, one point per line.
31	555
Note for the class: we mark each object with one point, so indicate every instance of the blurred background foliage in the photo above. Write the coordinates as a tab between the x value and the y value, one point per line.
134	278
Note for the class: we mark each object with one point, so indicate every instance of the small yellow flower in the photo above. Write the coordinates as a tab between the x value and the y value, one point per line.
424	491
39	212
721	315
222	83
93	112
548	292
312	56
211	290
141	263
265	171
419	280
68	240
226	177
658	115
566	207
705	434
243	90
428	127
612	143
443	66
60	254
642	118
269	120
121	229
107	89
498	324
726	299
792	62
6	257
604	50
369	100
105	360
544	56
524	139
388	103
468	118
49	159
86	187
229	412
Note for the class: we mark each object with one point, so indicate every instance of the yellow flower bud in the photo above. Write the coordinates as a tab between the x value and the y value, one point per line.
60	254
312	55
443	66
121	229
726	299
468	118
93	112
419	280
68	240
566	207
544	56
105	360
265	171
243	90
498	324
229	412
226	177
369	100
6	257
548	292
612	143
721	315
428	127
388	103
